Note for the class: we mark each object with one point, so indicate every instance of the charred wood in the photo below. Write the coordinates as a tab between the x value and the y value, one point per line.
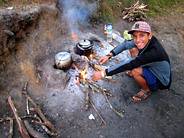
31	131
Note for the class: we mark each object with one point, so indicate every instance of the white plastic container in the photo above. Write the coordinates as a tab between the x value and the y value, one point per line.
109	33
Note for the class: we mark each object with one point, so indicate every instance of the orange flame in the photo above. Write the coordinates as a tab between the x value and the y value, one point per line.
74	37
84	74
90	56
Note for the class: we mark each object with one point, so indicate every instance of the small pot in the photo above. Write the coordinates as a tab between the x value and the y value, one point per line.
84	47
63	60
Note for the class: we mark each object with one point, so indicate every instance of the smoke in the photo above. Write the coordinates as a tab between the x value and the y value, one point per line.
75	13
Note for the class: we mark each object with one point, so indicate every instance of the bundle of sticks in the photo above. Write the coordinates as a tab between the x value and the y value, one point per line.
136	12
25	127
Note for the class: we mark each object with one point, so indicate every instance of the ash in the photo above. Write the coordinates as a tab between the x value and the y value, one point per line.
63	93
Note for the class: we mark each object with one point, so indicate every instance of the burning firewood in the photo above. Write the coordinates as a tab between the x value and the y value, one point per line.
136	12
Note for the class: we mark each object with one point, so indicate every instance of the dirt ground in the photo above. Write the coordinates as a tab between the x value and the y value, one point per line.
160	116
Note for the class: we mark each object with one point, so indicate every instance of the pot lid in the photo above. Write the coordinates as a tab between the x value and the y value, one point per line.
84	43
62	56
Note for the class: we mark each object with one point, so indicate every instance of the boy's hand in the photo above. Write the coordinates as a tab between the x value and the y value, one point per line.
103	60
97	76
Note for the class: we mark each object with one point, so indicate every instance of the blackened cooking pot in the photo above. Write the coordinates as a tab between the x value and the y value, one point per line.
84	47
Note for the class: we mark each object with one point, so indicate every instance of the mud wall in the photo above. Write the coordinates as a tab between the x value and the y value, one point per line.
25	36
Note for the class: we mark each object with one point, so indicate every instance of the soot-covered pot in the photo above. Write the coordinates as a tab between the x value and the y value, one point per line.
63	60
84	47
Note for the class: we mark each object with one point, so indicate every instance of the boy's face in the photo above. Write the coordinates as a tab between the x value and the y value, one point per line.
141	39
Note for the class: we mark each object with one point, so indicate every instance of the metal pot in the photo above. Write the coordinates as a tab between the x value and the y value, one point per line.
63	60
84	47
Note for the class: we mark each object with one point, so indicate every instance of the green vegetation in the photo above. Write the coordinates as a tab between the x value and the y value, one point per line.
110	10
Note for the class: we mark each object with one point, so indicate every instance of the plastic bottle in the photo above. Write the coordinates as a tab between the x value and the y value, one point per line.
109	33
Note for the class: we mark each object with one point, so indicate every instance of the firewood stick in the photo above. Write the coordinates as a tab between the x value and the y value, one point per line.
22	128
42	116
43	126
99	91
37	122
93	87
87	97
86	93
31	131
92	104
97	85
11	129
118	113
8	118
37	109
107	79
27	106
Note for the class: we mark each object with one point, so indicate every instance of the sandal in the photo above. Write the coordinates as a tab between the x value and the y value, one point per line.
141	97
128	73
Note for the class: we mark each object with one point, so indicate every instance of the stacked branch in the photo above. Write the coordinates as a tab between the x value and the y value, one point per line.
136	12
25	128
37	109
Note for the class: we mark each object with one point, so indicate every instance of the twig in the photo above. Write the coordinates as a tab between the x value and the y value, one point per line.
11	129
8	118
92	104
22	128
86	97
27	106
37	109
119	113
31	131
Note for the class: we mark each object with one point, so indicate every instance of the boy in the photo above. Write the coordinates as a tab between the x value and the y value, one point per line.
149	66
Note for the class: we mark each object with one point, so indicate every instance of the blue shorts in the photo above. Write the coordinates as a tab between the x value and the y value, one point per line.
151	80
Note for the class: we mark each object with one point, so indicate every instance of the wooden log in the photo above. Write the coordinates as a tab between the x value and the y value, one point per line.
37	109
31	131
22	128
